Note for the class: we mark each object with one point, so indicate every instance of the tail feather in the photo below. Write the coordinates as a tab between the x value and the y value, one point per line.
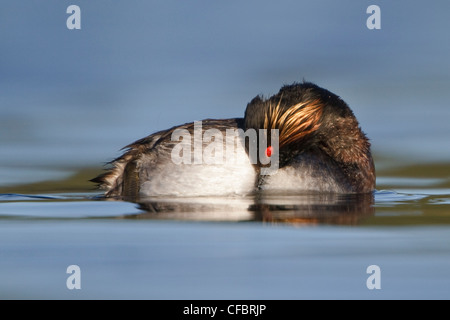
112	181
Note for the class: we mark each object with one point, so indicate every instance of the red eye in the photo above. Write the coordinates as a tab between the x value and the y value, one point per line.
269	151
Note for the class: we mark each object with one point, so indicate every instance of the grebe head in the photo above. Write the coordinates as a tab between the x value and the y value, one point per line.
314	120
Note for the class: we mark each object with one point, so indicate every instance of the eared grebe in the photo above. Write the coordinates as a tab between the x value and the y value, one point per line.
304	138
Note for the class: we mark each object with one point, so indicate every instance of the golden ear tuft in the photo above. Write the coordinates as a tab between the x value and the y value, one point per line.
294	123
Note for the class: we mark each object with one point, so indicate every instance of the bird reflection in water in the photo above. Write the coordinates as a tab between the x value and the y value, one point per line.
266	207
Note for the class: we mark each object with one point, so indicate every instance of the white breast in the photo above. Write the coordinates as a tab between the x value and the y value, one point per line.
162	176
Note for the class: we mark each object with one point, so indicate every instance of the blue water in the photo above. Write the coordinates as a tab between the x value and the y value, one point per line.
173	260
124	252
70	99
